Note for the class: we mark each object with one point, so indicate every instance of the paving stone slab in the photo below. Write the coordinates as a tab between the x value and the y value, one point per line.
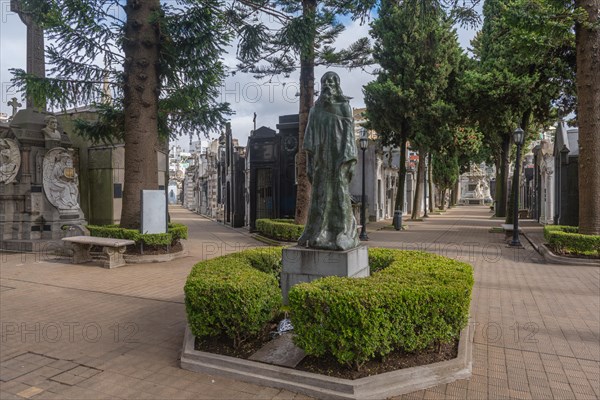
8	374
84	371
63	365
37	359
12	369
68	378
48	372
29	393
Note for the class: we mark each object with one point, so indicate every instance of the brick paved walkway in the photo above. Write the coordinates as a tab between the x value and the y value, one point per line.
537	333
83	332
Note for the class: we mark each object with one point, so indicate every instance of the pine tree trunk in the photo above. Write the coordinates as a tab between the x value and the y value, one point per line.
502	177
418	199
141	89
399	204
430	184
588	116
443	200
307	93
454	200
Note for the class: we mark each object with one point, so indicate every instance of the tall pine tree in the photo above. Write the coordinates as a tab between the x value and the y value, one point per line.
162	62
517	81
418	52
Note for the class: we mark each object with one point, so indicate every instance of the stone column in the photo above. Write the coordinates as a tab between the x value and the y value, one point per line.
36	64
550	197
544	194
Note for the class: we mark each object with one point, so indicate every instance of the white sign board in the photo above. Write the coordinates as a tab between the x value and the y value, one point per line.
154	211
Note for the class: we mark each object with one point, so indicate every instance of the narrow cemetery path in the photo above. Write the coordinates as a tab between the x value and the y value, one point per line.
83	332
537	325
160	281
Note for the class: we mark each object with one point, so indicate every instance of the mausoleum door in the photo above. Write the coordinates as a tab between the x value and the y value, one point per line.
264	193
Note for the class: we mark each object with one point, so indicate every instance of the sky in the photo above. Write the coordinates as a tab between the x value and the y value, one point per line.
268	98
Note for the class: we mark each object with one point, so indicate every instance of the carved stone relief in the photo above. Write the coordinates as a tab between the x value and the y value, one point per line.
10	160
60	180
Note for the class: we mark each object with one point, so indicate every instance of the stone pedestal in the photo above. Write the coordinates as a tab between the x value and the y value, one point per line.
301	264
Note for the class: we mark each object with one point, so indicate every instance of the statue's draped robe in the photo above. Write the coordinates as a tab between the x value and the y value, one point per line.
329	142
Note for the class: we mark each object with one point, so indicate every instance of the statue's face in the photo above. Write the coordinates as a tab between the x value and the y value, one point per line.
53	123
329	87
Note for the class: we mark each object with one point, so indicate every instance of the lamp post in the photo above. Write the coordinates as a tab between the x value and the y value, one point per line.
518	136
364	143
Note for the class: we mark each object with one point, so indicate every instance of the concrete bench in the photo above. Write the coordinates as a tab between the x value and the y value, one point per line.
508	230
113	248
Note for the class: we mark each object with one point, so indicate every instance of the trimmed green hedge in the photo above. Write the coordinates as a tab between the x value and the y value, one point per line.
412	300
175	232
568	240
279	229
235	295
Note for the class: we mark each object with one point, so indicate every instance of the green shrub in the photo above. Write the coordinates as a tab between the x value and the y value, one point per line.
233	295
380	258
175	232
568	240
265	259
562	228
279	229
179	231
413	300
114	231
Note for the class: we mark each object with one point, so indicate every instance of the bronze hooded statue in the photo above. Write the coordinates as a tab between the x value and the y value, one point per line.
331	156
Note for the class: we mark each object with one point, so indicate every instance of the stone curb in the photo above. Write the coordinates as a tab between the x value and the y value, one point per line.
154	258
380	386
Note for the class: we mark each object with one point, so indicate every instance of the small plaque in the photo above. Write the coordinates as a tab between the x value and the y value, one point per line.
281	351
154	211
117	191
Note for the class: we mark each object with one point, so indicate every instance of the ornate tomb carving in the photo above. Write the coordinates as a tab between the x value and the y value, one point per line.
10	160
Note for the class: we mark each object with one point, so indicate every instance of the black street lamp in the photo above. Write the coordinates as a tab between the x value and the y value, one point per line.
364	143
518	136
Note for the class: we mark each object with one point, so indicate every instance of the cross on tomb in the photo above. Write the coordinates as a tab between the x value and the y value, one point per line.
14	104
36	63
